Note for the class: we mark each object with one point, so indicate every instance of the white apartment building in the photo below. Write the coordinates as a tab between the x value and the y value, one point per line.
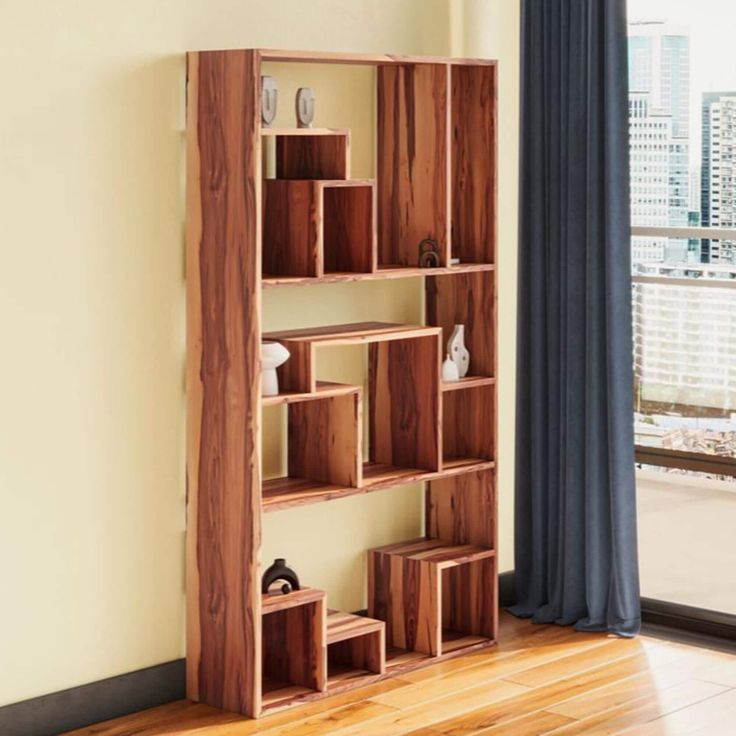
685	336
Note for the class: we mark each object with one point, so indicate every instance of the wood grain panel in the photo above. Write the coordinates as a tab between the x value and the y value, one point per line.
339	57
469	423
404	404
313	156
382	273
292	228
462	509
474	127
469	299
413	161
324	440
405	594
275	600
297	374
223	386
349	229
281	493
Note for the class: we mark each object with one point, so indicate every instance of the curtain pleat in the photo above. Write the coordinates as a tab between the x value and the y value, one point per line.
576	554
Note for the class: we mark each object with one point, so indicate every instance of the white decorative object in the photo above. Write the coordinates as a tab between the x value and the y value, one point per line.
269	99
457	350
304	107
449	370
273	354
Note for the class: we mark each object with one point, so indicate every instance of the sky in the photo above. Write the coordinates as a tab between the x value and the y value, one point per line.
712	47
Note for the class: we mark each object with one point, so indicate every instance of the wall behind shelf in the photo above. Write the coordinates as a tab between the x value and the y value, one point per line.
92	312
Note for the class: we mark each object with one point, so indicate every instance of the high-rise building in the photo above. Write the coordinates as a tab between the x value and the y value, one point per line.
650	133
659	109
718	173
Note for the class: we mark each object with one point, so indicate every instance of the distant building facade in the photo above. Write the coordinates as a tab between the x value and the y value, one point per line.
659	108
685	338
718	173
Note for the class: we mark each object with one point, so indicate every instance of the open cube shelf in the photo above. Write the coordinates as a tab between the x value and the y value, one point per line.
426	586
403	386
356	648
316	227
324	439
293	647
467	414
311	153
435	179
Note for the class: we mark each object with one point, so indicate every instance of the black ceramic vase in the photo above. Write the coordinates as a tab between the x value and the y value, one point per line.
279	571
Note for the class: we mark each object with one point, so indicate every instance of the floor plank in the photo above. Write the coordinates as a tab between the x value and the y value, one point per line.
538	680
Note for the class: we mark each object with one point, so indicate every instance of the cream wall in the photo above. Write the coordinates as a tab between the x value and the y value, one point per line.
490	28
92	316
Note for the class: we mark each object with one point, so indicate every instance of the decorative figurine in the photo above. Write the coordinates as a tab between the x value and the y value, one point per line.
273	354
449	370
269	99
304	107
429	255
279	571
457	350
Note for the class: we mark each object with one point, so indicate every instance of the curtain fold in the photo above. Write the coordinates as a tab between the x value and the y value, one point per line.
575	543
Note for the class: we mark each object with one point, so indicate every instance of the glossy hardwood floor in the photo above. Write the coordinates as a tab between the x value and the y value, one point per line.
539	680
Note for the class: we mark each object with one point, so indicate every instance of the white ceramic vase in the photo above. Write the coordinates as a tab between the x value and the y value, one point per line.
449	370
273	354
457	350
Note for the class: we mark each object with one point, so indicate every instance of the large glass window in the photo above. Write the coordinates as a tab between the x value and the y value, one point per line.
682	122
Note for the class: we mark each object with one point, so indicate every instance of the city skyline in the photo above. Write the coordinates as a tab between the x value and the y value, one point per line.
712	67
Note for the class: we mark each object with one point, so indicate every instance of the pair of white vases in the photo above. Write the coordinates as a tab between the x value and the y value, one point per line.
457	362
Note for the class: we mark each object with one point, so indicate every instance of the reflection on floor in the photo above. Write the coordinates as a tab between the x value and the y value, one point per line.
687	540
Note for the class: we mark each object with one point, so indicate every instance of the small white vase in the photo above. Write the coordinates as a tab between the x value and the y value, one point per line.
449	370
457	350
273	354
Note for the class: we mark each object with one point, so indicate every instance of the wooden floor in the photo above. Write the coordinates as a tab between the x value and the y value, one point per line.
539	680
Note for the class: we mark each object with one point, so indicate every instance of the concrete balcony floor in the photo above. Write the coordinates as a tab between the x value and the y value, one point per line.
687	539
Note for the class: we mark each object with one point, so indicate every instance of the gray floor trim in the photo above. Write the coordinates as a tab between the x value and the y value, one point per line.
65	710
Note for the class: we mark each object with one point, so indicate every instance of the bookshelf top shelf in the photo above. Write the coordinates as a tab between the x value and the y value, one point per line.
328	57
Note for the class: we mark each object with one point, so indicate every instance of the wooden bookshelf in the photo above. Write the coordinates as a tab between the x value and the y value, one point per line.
313	223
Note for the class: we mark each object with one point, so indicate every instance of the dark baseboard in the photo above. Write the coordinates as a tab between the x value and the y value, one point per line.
506	589
696	625
82	706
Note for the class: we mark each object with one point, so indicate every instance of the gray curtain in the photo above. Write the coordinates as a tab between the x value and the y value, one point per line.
576	555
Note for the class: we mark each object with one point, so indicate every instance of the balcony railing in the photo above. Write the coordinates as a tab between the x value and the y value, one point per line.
710	276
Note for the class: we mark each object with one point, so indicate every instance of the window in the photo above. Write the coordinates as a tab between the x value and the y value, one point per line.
682	127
